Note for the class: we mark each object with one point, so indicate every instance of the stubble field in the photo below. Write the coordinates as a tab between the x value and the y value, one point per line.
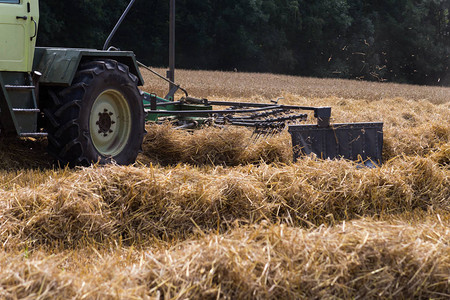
217	214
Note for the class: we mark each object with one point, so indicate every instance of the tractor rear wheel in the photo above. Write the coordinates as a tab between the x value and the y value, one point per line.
99	118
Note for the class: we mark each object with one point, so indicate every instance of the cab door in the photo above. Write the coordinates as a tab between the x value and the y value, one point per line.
18	30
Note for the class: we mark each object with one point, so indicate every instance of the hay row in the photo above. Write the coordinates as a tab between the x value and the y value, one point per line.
360	260
232	146
134	204
212	146
411	128
235	146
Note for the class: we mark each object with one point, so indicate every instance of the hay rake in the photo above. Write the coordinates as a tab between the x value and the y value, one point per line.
355	141
190	112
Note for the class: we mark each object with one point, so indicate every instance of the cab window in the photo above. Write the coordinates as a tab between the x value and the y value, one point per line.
10	1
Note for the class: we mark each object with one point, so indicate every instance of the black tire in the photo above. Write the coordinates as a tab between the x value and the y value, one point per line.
73	117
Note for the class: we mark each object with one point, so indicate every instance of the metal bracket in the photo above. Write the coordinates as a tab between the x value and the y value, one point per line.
172	92
153	104
323	115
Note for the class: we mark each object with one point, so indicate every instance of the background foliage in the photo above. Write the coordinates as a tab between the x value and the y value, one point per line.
383	40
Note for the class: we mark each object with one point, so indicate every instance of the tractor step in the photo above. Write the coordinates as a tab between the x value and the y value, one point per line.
19	87
26	110
33	134
20	104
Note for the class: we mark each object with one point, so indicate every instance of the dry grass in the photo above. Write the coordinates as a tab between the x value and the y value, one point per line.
212	146
442	155
362	259
215	214
256	85
139	205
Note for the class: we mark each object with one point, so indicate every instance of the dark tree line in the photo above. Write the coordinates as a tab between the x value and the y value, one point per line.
385	40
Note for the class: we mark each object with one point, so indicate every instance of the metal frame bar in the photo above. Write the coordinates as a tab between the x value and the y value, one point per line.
113	32
244	104
323	114
171	71
208	112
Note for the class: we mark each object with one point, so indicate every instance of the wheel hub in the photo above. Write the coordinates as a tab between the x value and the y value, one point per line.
110	123
104	122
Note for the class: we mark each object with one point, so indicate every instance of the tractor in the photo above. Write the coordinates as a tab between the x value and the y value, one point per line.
88	103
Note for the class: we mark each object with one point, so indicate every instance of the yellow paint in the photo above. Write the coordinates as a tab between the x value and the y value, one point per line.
16	46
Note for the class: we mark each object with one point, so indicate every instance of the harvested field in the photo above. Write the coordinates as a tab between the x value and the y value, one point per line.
263	86
216	214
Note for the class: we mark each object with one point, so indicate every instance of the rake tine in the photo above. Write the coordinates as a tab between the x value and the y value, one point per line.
273	132
255	134
260	134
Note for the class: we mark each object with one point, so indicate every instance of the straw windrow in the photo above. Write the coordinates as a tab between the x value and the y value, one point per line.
213	146
410	128
134	204
362	259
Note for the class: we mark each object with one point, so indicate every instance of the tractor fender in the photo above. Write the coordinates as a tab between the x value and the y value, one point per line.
59	65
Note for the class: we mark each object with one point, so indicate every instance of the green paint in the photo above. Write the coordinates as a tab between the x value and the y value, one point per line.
59	65
153	117
16	43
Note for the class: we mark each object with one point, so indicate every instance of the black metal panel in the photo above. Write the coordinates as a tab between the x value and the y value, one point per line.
353	141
